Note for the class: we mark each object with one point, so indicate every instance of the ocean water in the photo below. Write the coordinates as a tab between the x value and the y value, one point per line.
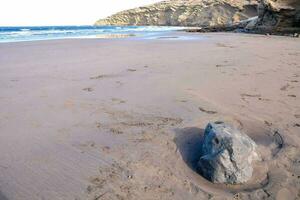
18	34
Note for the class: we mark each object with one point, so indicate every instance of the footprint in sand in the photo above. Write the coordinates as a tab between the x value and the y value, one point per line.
99	125
88	89
89	144
218	66
245	95
119	101
103	76
269	124
131	70
250	95
207	111
116	131
111	181
85	146
105	149
3	167
285	87
119	83
263	99
224	45
226	64
297	116
245	74
292	95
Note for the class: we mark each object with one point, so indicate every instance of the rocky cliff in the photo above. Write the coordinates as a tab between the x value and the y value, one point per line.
185	13
277	16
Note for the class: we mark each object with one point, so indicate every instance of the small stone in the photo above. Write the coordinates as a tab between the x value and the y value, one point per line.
129	176
227	154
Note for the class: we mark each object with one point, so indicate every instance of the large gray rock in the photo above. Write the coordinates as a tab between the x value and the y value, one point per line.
227	154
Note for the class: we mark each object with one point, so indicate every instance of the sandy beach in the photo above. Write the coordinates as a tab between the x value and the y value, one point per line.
123	118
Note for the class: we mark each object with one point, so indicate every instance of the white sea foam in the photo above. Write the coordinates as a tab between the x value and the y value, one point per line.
48	33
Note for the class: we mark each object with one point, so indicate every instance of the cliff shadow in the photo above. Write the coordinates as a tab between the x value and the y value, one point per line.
189	141
2	196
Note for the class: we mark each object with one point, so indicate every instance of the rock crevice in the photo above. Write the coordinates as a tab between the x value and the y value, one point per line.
278	16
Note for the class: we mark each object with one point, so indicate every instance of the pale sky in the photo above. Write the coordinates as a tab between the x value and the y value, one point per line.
61	12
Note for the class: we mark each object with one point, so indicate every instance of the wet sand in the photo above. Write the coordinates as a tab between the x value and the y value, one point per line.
123	118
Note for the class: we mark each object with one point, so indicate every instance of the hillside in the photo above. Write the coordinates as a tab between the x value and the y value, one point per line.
185	13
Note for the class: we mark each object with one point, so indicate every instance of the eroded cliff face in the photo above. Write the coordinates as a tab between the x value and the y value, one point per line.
278	16
185	13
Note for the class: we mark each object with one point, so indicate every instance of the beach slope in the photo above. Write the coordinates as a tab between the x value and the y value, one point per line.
123	118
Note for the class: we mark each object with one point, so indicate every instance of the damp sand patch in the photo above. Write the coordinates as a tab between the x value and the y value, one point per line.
108	36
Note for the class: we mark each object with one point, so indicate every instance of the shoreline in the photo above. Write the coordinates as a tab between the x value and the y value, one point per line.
187	35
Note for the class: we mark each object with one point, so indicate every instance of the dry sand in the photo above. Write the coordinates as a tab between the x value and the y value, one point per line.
122	118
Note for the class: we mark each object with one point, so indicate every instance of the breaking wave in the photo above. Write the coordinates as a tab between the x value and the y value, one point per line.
16	34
